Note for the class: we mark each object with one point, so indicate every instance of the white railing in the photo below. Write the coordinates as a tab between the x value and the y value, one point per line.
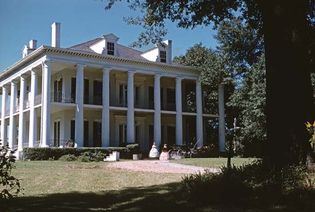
60	97
38	99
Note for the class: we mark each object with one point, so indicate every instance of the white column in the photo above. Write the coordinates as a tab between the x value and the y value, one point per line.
157	110
33	122
130	112
79	127
179	115
11	119
199	118
21	114
221	119
46	86
3	110
105	109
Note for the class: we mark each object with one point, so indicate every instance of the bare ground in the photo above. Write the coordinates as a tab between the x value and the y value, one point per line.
157	166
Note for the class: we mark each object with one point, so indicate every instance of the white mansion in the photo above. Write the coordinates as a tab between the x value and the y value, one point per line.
100	93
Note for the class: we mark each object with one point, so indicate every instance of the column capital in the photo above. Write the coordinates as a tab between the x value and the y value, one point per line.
80	66
22	77
106	68
5	86
179	78
157	75
13	82
33	72
131	73
47	62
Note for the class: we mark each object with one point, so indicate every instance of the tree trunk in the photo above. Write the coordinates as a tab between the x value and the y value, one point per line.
289	91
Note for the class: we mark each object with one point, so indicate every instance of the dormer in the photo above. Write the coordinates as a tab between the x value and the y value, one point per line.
107	45
160	53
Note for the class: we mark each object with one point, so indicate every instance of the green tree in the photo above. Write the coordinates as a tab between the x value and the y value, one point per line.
287	28
250	99
212	72
9	185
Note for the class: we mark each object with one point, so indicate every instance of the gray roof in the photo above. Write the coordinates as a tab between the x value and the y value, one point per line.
122	51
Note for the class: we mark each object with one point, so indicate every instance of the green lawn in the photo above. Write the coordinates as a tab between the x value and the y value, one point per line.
213	162
48	177
77	186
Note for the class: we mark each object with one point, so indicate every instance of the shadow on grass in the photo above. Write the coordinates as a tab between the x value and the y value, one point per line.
165	197
154	198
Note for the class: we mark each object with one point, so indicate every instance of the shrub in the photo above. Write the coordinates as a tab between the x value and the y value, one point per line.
133	148
55	152
91	156
10	186
250	184
85	157
178	151
68	158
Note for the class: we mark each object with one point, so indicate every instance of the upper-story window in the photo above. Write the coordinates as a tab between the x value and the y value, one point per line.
110	48
163	56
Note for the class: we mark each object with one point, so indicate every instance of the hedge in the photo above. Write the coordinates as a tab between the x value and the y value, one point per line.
54	153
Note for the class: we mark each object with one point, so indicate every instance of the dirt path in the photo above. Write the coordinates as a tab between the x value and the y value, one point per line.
159	167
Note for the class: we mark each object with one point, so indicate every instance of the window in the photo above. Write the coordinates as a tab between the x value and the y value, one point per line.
151	97
86	91
137	134
98	92
97	134
72	129
137	97
163	56
86	134
110	48
171	96
122	134
57	133
73	89
58	90
122	94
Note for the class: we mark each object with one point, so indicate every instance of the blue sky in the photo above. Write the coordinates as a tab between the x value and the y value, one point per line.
81	20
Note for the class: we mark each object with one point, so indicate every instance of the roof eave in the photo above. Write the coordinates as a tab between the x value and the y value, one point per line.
48	49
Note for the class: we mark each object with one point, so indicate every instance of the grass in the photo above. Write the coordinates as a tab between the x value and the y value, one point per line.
49	177
213	162
77	186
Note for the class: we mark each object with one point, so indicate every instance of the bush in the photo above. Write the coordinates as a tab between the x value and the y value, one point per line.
133	148
250	184
10	186
91	156
85	157
178	151
68	158
55	152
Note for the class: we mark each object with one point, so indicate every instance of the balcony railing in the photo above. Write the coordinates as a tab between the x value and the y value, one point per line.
61	97
38	99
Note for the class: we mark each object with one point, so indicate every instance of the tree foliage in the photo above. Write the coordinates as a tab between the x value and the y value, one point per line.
250	99
287	29
212	72
10	186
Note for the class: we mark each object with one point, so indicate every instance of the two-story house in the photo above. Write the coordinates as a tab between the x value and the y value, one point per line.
100	93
